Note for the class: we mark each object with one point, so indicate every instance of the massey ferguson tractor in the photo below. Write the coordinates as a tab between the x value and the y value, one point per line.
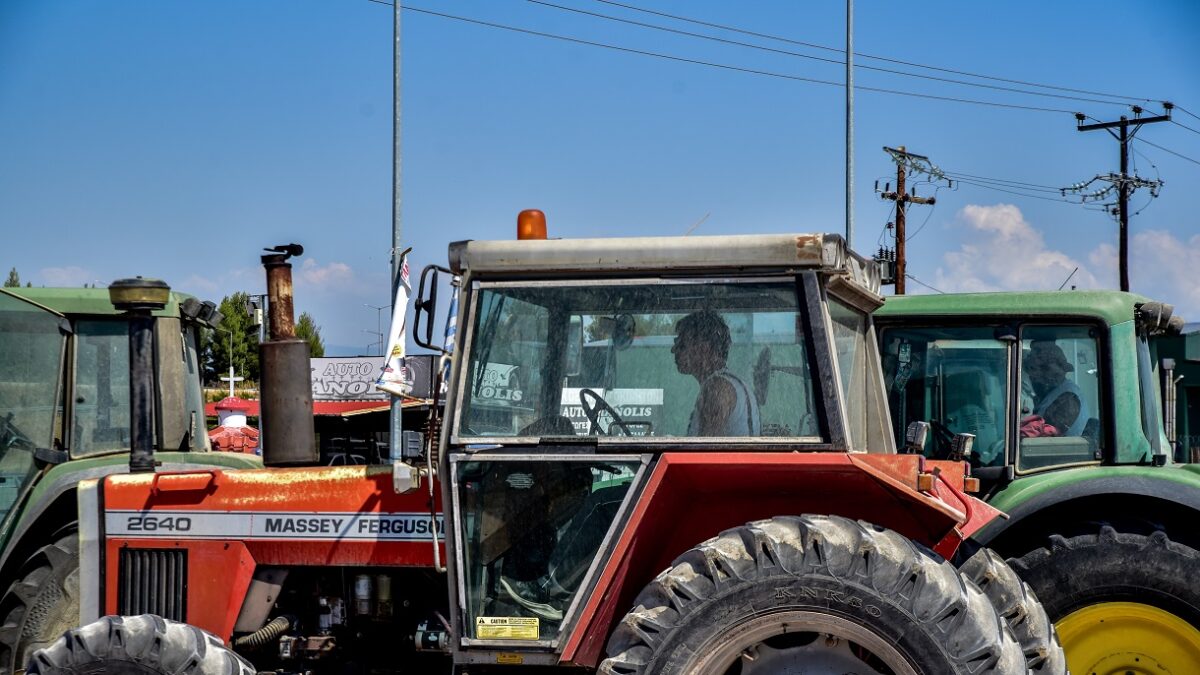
658	455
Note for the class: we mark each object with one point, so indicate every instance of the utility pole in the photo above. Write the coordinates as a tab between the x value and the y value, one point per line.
1124	183
850	123
396	440
903	199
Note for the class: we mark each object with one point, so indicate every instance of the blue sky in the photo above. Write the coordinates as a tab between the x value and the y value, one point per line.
176	139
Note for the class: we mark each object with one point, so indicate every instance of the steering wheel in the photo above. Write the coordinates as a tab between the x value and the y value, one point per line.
596	405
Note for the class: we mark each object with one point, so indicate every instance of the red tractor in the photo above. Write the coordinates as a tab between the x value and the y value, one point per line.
658	455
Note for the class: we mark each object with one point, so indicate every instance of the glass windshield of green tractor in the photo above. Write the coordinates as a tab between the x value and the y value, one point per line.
31	353
954	378
531	529
1060	396
673	359
101	387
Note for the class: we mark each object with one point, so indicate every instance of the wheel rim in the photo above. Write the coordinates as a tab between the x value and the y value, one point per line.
775	644
1128	638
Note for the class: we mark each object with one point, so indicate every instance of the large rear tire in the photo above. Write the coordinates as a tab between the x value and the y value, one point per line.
825	592
138	645
40	605
1018	605
1121	601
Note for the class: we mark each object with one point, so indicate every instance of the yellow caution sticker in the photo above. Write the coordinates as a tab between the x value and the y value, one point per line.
506	628
507	659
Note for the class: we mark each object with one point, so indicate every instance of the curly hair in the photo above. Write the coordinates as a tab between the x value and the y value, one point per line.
709	326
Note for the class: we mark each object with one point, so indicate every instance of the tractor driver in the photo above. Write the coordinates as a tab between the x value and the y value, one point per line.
1057	400
725	406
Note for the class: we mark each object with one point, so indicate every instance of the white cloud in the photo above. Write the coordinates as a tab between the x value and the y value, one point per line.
1006	253
327	277
198	285
1161	266
67	276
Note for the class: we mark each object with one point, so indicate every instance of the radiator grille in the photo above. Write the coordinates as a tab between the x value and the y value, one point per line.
153	581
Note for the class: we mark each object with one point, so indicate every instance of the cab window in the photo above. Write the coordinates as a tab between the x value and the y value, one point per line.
1060	397
954	378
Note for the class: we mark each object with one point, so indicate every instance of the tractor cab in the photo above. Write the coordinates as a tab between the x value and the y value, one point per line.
582	366
1038	378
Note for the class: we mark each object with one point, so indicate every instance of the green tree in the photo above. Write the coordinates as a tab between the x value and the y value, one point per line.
14	279
309	331
236	339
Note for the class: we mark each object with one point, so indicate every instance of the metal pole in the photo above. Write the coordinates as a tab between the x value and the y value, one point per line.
397	425
901	207
850	123
1123	204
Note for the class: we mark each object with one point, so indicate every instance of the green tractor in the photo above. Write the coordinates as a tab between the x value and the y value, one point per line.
64	417
1062	394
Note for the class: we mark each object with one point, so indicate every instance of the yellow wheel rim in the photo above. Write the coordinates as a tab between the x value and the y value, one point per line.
1128	638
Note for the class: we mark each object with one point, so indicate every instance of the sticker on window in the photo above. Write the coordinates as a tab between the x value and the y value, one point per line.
506	628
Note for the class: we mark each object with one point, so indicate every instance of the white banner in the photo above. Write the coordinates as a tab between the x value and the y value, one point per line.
392	378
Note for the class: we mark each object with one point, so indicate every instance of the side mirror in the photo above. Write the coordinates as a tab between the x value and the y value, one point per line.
961	446
426	305
914	437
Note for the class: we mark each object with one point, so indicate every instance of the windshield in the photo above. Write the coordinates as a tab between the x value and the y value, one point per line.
638	359
956	379
31	352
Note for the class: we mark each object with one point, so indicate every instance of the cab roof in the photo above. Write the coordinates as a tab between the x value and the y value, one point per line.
742	252
86	301
1112	307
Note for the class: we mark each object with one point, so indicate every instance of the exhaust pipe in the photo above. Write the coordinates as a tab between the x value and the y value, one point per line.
139	298
287	403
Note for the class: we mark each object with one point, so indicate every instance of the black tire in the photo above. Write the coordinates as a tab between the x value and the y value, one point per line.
915	604
138	645
1110	566
41	604
1018	605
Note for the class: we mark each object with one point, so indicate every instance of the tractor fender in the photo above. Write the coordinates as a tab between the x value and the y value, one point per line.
1093	494
688	498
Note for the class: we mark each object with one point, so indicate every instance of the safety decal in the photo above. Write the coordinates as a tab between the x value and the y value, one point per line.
158	524
506	628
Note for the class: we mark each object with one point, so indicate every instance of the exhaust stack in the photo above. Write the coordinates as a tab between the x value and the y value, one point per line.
287	402
138	298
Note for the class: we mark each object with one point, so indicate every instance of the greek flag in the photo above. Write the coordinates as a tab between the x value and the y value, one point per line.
394	377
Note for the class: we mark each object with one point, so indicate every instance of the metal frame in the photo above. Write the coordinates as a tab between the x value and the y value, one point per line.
468	319
91	546
458	610
1108	431
829	380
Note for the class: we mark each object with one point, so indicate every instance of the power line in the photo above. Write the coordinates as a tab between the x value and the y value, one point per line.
870	56
785	52
722	66
1194	131
1014	192
1155	145
953	174
1186	111
925	284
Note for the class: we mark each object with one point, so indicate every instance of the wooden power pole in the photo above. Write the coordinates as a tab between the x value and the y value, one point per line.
1125	183
903	199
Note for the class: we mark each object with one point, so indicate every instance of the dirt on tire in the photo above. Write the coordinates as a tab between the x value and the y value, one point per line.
145	644
938	621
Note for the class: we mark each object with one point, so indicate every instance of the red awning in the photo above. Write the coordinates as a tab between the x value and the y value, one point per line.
335	408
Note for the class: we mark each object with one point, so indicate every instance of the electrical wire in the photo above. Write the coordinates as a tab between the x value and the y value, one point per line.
871	56
952	174
785	52
1194	131
1014	192
909	276
1155	145
887	221
1186	111
721	66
